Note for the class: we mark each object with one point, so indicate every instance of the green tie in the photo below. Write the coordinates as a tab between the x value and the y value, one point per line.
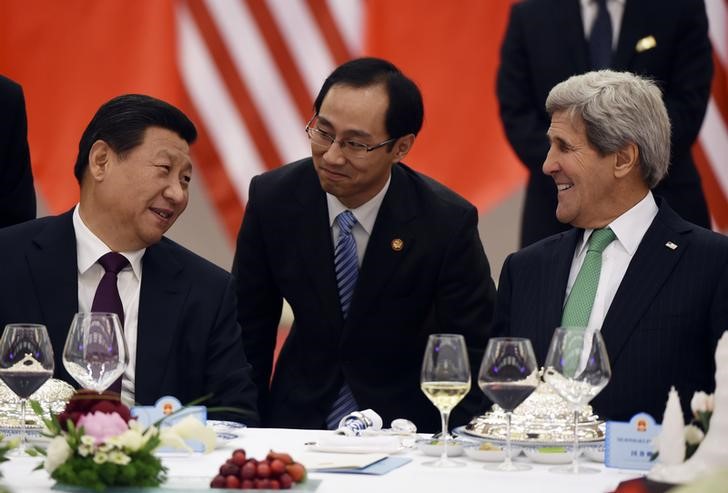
581	299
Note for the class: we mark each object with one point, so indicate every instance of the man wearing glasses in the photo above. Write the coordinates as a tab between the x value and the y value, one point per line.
371	256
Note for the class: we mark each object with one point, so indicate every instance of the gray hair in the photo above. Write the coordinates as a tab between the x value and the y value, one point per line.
619	108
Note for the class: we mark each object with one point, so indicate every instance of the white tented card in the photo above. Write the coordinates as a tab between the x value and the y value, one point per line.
170	410
629	445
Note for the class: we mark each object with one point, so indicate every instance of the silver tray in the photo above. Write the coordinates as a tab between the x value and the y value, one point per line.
528	442
52	396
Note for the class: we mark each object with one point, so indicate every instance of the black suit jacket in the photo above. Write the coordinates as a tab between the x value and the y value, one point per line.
17	195
662	326
439	282
188	339
544	45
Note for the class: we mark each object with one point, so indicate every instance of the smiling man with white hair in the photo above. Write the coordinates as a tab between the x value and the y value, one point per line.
657	285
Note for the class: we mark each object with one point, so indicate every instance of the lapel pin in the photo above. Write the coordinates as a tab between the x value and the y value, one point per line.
397	245
671	245
646	43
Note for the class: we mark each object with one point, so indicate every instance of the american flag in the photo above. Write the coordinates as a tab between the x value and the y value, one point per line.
247	72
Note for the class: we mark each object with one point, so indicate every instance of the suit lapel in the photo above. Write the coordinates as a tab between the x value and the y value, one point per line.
629	33
54	271
161	300
567	21
381	259
652	264
315	246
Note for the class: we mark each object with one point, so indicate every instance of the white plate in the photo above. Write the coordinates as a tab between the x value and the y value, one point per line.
315	447
594	453
549	455
434	447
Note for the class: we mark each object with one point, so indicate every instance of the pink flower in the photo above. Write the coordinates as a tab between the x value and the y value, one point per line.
102	425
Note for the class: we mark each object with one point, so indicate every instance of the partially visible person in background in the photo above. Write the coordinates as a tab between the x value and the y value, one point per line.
17	195
549	40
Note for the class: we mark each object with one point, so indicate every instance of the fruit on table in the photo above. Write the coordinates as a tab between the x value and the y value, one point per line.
276	471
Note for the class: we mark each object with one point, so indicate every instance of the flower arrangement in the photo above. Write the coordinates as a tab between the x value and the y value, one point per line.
702	407
96	444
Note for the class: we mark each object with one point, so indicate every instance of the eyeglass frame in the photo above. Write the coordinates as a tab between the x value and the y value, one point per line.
347	143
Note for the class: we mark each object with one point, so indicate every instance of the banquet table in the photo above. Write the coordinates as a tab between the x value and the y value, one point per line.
194	471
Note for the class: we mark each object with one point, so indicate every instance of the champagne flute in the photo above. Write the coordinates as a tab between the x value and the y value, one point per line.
577	368
508	374
445	379
26	362
95	353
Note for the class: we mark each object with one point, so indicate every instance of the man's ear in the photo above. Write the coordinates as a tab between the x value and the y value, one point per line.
99	158
627	159
402	147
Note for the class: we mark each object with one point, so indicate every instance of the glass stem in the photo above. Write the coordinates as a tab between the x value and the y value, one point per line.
575	451
23	438
507	462
444	417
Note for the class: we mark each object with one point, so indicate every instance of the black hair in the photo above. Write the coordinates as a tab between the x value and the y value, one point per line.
405	112
122	121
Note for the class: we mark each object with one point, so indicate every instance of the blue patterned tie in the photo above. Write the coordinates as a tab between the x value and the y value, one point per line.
346	266
600	38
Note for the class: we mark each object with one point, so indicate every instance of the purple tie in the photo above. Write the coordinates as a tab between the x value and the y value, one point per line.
107	297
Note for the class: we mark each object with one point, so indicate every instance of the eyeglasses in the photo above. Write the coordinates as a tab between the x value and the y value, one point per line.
350	148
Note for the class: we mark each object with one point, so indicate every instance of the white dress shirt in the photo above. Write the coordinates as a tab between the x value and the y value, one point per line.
89	249
365	214
589	14
629	228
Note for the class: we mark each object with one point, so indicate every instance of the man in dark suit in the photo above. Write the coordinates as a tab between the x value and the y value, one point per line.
179	310
661	299
549	40
419	262
17	195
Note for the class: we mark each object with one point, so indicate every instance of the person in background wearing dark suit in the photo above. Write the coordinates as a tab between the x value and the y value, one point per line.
548	41
179	311
17	195
372	257
661	300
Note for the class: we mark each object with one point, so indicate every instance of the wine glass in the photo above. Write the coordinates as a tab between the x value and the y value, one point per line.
445	379
507	376
26	362
577	368
95	353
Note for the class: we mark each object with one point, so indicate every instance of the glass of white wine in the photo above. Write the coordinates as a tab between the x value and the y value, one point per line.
577	368
445	379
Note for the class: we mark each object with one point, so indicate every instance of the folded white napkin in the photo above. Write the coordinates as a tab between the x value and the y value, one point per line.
364	444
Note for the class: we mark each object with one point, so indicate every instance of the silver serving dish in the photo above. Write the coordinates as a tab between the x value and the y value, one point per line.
52	396
543	419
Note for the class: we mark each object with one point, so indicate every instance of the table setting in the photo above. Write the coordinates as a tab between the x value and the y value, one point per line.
540	434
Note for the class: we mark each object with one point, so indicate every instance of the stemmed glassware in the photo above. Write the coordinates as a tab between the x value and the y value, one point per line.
577	368
26	362
95	353
508	375
445	379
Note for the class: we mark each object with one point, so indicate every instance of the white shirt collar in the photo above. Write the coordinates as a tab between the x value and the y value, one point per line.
89	248
630	227
366	214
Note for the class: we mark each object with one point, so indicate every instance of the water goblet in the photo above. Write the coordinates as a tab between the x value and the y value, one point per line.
26	362
95	353
445	379
508	375
577	368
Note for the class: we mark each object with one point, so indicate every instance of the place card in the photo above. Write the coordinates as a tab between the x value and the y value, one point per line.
629	445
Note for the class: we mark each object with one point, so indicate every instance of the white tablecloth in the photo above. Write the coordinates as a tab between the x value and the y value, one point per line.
196	470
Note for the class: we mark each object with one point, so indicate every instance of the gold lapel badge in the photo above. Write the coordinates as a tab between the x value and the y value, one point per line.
646	43
397	245
671	245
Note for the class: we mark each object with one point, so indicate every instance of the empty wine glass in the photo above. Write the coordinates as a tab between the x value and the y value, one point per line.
95	353
577	368
508	374
26	362
445	379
